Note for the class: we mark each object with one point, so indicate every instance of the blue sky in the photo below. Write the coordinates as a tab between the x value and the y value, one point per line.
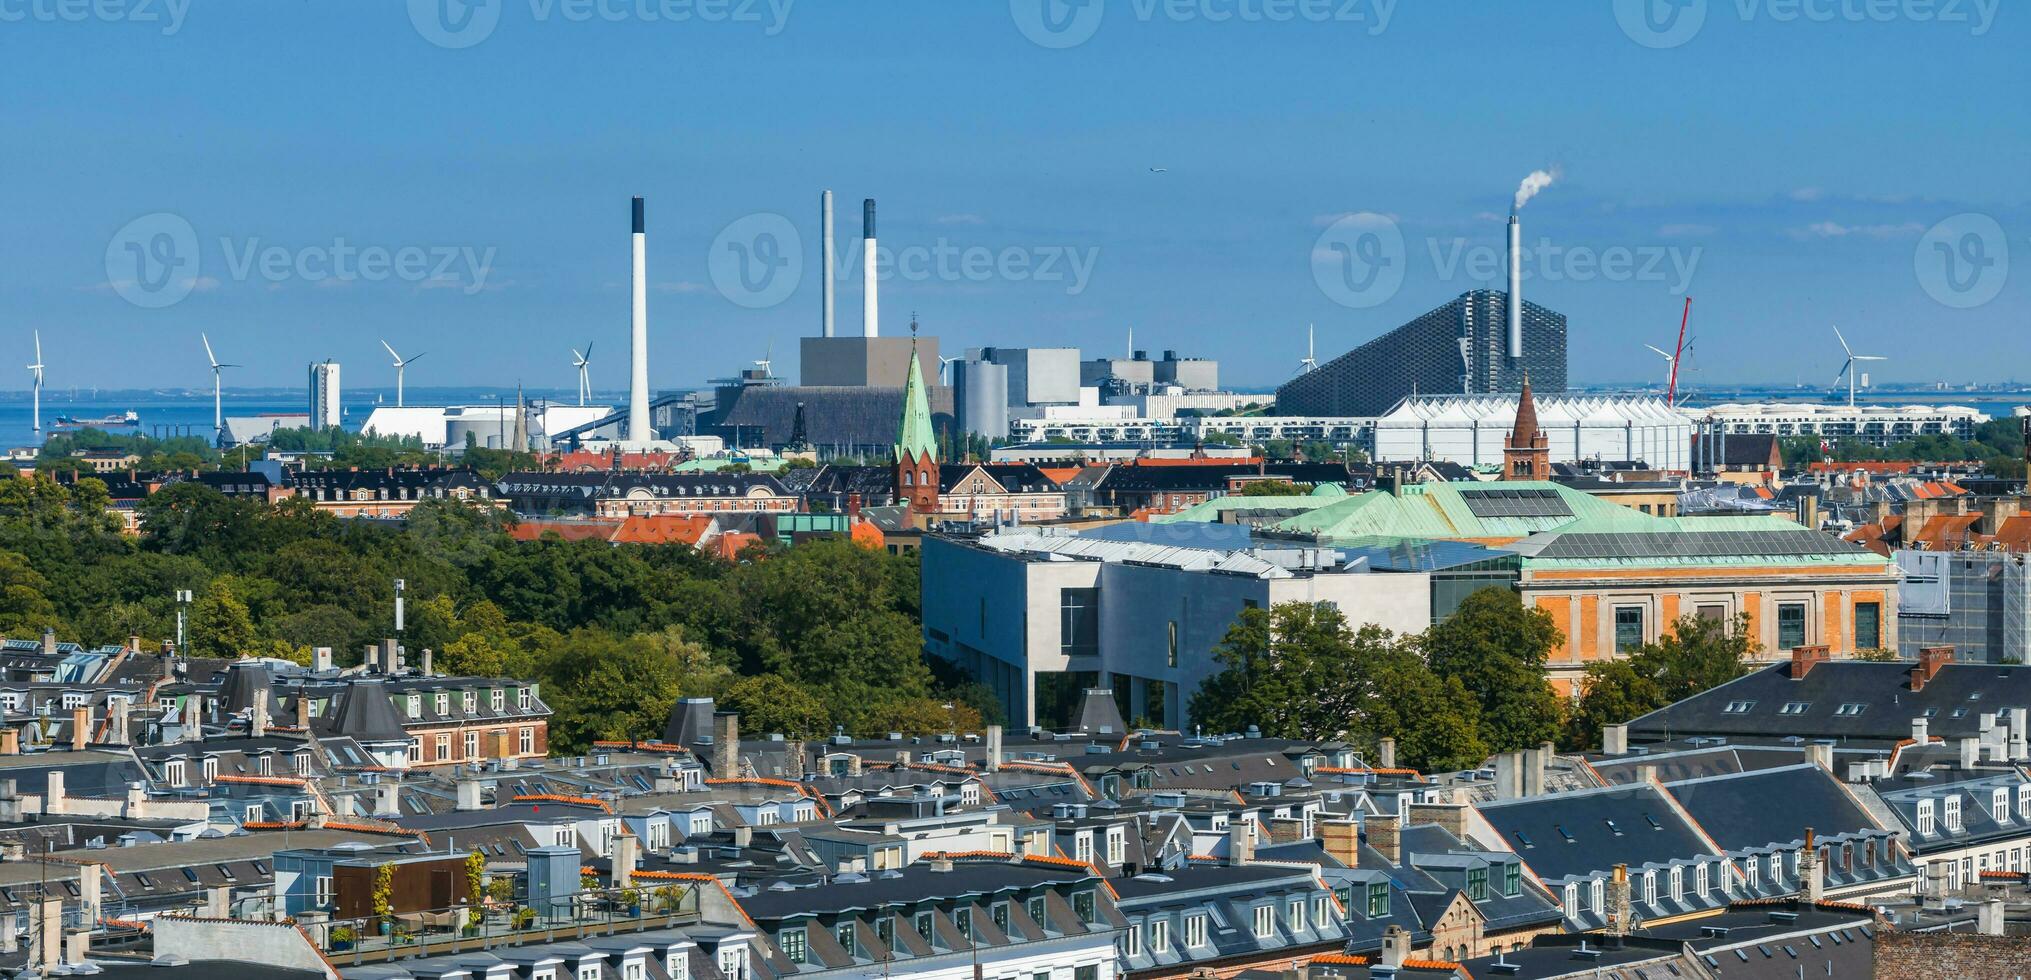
1785	171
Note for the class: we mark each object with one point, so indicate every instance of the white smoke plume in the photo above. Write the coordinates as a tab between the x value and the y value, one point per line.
1537	181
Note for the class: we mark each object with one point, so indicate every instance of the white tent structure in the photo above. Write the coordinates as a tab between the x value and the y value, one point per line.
1470	429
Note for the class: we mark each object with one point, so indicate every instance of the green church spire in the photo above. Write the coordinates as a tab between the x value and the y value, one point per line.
915	438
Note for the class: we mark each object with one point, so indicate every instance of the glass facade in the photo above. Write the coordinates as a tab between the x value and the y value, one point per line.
1079	622
1459	348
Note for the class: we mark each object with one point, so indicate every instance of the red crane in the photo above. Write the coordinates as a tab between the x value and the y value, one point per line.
1671	390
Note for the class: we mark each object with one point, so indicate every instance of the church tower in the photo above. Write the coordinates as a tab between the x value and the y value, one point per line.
916	480
1527	456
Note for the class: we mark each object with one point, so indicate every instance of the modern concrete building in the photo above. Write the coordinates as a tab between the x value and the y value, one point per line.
863	362
1977	602
1189	373
325	411
1036	375
1460	348
1041	615
980	398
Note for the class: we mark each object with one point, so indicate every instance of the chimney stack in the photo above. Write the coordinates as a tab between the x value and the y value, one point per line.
1385	751
825	261
870	308
1615	739
49	641
81	728
1240	842
1385	835
1515	288
1341	839
320	659
1618	902
1803	659
303	710
638	353
1811	876
1930	660
627	854
427	664
1395	947
725	745
257	718
993	763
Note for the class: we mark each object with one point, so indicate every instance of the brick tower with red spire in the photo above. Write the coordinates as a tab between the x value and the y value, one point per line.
1527	455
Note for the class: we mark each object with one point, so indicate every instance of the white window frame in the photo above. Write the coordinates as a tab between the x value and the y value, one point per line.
1195	930
1160	935
1265	921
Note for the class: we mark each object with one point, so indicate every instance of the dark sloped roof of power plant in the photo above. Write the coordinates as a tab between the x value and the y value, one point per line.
833	416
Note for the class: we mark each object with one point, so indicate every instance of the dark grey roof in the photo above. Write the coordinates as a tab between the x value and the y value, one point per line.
1572	835
1763	703
1098	712
366	715
242	680
690	723
1736	810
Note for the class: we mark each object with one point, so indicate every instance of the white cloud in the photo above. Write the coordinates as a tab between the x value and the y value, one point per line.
1686	231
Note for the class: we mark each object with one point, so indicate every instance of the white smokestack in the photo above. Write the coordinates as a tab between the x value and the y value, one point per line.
1515	287
870	308
825	257
638	356
1529	188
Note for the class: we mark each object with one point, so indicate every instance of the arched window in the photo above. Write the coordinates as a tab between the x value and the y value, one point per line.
906	478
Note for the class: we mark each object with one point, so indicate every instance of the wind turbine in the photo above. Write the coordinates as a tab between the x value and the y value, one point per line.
1309	362
1670	365
767	363
35	371
581	362
400	363
945	368
218	387
1848	368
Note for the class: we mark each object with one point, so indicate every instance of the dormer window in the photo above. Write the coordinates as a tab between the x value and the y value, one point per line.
443	703
470	700
498	699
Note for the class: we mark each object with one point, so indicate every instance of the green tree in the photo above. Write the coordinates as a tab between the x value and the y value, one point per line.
1275	488
772	703
25	609
1497	650
1696	654
220	625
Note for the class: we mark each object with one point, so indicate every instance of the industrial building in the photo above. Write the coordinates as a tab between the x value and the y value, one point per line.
862	362
1469	430
453	427
1137	374
325	411
1876	425
1460	348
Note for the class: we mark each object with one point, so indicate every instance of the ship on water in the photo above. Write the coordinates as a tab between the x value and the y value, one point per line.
125	420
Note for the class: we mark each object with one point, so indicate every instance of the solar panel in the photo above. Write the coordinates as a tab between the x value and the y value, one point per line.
1697	544
1515	503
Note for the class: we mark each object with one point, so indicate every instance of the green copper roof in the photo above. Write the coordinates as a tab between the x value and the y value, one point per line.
914	436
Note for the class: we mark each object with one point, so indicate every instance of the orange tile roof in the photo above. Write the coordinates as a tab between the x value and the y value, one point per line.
561	798
663	529
1059	474
732	543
